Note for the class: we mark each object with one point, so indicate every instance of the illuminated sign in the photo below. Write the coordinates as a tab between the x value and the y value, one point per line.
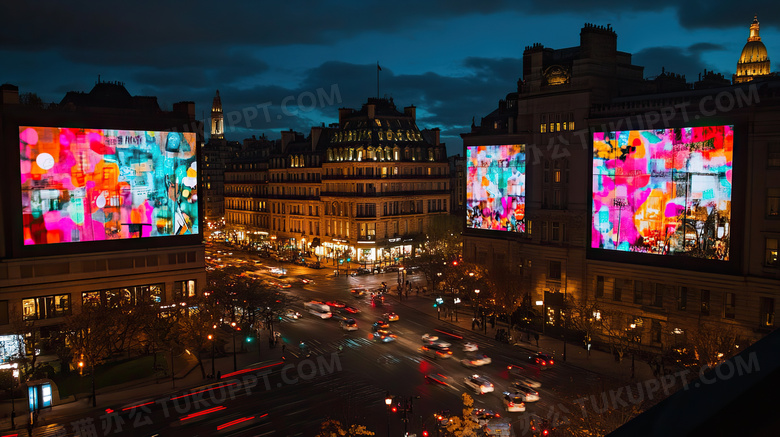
665	191
495	187
101	184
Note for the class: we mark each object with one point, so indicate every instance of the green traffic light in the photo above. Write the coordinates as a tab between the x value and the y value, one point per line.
249	339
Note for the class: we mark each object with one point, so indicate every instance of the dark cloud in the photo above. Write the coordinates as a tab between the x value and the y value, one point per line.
706	47
680	60
698	14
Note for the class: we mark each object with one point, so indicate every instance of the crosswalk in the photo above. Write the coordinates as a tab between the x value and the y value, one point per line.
315	347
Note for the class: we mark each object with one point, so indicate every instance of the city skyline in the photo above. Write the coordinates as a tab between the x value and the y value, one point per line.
452	61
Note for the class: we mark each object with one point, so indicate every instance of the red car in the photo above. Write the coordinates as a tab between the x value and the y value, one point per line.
352	310
335	304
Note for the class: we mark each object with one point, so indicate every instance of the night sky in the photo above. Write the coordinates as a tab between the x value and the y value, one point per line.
452	59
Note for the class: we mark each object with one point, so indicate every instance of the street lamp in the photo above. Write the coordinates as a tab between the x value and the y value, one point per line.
235	363
388	401
212	339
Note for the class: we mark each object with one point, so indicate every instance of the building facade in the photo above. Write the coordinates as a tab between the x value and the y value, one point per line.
711	264
363	189
107	208
754	59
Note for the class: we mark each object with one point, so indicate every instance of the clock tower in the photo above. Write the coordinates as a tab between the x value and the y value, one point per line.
217	119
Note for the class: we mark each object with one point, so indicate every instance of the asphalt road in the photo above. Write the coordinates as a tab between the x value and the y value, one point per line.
347	376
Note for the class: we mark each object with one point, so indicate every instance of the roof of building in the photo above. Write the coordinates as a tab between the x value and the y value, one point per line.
738	397
110	95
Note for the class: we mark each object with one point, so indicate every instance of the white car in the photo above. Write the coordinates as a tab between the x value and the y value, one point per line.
521	373
292	314
513	402
470	347
479	384
527	393
476	361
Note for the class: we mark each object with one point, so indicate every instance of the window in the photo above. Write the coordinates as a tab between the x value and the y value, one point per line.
729	306
620	284
773	154
658	295
638	292
773	203
184	289
767	312
554	271
46	307
556	231
705	302
655	331
771	252
599	286
682	298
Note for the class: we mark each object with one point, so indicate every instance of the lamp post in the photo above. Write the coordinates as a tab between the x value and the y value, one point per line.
388	401
476	299
212	339
235	362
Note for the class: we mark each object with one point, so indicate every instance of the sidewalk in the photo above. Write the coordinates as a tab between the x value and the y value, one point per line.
600	362
150	388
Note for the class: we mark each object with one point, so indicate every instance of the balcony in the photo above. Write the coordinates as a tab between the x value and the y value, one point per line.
385	193
373	177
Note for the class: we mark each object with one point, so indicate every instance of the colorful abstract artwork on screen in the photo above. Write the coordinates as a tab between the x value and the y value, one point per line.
495	192
99	184
664	192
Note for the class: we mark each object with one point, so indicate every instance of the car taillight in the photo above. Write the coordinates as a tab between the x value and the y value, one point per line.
543	363
511	404
508	367
545	432
551	361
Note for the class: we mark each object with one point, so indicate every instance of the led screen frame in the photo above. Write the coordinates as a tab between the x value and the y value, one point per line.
88	185
495	187
664	192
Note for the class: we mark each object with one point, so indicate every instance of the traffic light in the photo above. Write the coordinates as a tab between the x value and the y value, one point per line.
249	339
394	409
425	433
349	259
455	263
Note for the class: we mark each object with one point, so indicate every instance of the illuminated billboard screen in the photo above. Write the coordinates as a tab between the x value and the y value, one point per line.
100	184
665	191
495	187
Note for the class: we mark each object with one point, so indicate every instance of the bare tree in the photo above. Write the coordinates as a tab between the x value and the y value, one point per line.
92	334
712	344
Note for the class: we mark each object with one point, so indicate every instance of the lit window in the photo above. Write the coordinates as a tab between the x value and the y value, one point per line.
771	252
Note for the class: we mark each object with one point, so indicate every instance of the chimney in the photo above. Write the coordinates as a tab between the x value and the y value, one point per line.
185	108
411	111
9	94
316	133
287	137
371	109
343	112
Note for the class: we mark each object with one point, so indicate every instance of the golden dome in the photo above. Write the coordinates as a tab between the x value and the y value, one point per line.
754	51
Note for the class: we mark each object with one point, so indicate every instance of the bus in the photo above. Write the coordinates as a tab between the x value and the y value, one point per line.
319	309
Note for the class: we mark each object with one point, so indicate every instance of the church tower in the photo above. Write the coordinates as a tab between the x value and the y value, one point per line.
217	119
754	60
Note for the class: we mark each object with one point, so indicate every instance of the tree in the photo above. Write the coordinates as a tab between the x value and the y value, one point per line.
466	425
28	340
334	428
193	328
712	344
92	334
592	423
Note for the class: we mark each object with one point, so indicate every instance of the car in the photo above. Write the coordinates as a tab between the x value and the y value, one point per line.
442	418
379	324
476	360
522	373
436	351
359	292
514	402
483	416
541	360
335	304
438	379
432	339
470	347
349	325
390	317
478	383
351	310
306	280
384	336
292	314
528	394
314	265
378	300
